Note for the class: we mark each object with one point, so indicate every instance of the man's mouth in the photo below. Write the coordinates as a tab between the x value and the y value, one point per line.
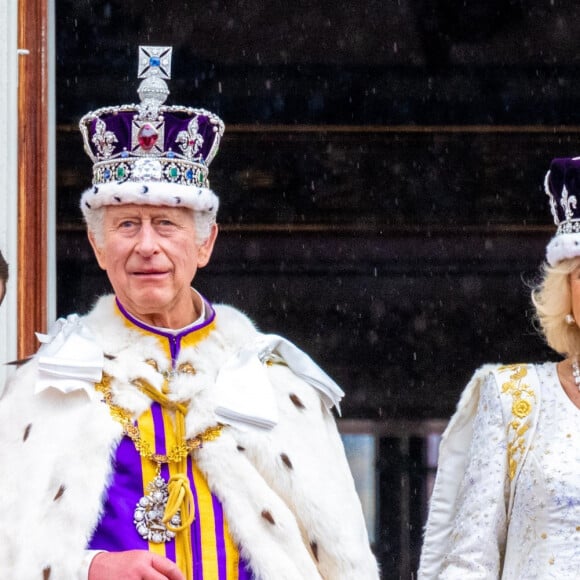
150	273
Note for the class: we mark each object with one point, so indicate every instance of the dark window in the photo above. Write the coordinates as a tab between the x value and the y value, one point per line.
380	183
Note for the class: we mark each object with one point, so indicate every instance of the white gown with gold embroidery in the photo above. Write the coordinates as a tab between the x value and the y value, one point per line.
542	540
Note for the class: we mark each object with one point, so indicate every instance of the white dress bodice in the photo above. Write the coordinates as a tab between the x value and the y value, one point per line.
542	538
544	533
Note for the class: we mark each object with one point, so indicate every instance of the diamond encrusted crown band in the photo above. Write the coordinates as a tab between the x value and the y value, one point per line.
173	171
569	227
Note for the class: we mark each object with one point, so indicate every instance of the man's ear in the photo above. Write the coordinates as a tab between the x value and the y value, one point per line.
205	250
98	250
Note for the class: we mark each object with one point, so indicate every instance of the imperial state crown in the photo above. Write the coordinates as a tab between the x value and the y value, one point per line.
151	153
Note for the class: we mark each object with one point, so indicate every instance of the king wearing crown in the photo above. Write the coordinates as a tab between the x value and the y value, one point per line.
161	436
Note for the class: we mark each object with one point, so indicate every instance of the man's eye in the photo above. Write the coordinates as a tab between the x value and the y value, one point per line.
165	224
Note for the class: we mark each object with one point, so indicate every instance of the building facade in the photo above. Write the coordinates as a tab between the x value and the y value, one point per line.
380	182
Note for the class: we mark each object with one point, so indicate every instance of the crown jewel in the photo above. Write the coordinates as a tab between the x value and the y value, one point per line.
151	141
154	67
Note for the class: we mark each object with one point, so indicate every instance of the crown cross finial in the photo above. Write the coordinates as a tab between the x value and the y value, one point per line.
154	61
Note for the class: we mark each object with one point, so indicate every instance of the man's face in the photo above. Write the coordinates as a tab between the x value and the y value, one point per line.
151	256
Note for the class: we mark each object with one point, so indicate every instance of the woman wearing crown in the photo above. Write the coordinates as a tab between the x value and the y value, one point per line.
161	436
506	502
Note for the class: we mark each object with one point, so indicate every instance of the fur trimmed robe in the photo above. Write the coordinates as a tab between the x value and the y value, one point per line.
287	493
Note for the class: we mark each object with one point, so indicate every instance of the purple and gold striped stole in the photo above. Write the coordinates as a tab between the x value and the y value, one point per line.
205	549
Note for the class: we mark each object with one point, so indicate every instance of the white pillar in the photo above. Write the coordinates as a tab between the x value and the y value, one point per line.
8	176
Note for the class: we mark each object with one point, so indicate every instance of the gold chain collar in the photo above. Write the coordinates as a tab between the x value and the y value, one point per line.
179	451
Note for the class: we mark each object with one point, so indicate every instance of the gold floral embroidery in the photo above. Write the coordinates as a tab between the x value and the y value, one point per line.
523	398
521	408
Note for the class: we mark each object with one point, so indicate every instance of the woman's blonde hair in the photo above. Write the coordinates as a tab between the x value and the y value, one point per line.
552	299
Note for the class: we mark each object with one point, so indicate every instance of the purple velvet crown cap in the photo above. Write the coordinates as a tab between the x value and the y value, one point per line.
562	186
187	133
151	153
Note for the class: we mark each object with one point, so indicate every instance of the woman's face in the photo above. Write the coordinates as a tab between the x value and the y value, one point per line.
575	293
151	256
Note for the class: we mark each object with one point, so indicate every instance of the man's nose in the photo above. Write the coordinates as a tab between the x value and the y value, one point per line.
147	240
